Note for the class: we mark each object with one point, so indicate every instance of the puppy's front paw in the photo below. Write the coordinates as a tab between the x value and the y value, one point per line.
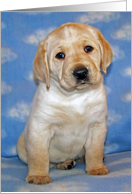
99	171
38	179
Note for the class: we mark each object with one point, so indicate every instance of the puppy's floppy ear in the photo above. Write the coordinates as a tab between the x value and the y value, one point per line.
106	50
40	64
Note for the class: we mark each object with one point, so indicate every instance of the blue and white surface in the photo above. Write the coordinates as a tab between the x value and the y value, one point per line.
13	175
20	34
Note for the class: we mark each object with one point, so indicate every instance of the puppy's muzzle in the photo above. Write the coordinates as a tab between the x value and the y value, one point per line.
81	74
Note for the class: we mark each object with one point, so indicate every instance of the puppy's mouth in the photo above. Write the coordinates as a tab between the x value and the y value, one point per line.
83	84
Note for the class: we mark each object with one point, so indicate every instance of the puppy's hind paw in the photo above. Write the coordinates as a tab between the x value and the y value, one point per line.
67	165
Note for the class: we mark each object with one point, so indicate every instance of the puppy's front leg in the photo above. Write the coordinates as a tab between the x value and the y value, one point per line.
94	150
38	158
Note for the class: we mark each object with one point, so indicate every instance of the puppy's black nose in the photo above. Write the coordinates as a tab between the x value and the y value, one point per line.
80	72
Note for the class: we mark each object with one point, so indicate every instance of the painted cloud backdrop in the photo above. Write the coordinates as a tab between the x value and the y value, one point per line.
20	35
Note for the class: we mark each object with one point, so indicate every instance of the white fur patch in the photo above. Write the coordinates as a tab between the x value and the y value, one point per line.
66	118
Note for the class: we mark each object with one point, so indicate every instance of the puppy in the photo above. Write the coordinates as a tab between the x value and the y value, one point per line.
67	120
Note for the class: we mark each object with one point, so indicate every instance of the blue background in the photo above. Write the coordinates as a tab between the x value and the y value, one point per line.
20	34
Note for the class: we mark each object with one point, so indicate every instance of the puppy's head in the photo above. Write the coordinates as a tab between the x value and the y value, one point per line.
73	55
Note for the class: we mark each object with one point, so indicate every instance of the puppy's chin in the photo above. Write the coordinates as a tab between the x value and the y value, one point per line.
66	87
71	87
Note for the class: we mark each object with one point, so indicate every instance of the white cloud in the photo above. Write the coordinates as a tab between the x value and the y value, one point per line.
3	25
111	147
127	97
12	150
7	55
112	117
19	111
117	53
31	76
124	33
126	72
5	89
38	36
94	17
108	89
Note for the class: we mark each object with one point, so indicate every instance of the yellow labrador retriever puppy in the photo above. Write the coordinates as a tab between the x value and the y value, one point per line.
67	119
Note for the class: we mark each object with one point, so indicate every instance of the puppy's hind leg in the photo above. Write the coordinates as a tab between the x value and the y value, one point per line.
67	165
21	149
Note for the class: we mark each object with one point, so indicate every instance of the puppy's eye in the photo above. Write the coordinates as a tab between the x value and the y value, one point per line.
60	55
88	49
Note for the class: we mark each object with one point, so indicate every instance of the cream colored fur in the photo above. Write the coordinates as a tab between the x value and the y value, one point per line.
67	120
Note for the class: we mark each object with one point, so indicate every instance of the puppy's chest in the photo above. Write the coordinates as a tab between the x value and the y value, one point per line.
68	109
75	112
70	119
